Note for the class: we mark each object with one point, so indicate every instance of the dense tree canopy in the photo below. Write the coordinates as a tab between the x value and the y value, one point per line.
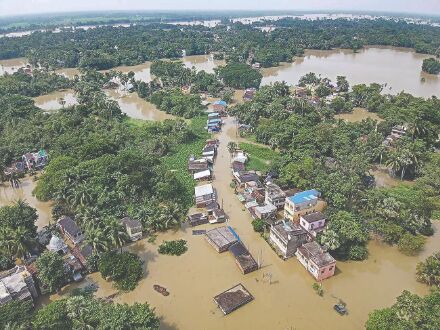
431	65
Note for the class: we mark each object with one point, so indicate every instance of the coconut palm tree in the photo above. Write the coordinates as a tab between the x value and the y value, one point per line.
96	238
62	101
393	162
116	233
16	242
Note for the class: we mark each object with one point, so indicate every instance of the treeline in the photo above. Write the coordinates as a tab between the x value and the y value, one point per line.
107	47
336	157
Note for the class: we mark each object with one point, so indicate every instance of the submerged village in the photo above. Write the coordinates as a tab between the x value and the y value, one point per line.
183	183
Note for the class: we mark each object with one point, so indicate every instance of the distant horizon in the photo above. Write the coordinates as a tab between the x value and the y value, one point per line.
208	11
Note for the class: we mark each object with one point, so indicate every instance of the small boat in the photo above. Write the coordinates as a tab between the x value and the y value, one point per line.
340	308
161	290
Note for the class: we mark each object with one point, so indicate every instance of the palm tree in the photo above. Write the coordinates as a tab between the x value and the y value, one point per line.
62	101
81	195
116	233
393	162
96	238
16	242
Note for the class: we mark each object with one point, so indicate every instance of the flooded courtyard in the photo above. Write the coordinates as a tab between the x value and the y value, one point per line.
54	101
289	302
358	114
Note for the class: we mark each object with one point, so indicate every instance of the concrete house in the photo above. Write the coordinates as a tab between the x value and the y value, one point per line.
133	228
57	245
318	262
287	238
274	195
70	230
314	222
301	203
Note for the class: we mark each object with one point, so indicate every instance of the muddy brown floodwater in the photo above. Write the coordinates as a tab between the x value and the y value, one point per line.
12	65
51	101
400	68
194	278
9	195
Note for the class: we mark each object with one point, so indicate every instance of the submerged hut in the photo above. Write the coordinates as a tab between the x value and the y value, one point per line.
221	238
233	298
243	258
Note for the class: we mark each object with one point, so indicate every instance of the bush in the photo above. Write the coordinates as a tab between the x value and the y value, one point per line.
124	268
174	248
358	252
411	244
16	314
258	225
318	289
431	65
428	271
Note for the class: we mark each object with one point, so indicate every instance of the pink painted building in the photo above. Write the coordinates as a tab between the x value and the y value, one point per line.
318	262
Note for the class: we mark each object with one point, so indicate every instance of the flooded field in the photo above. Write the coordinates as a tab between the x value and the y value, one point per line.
53	101
9	195
12	65
358	114
385	180
137	108
288	303
399	68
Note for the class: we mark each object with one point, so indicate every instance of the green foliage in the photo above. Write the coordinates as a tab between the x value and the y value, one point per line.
411	244
431	65
176	103
260	157
239	76
125	269
15	314
428	271
38	83
51	272
409	312
259	225
86	312
318	289
309	79
174	248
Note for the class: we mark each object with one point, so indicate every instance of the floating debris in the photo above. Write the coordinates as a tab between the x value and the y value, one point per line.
161	290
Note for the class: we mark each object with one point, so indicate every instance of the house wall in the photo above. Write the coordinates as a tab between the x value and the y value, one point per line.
313	225
294	215
274	239
326	272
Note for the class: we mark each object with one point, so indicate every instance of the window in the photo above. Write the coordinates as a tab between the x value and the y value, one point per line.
330	268
323	271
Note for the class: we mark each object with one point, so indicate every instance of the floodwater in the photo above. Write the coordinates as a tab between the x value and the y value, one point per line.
68	72
358	114
288	303
383	178
399	68
12	65
51	101
136	107
9	195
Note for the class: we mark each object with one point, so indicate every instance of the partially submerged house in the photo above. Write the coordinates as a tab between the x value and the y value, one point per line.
313	222
274	195
397	132
70	230
17	284
218	216
57	245
301	203
197	219
133	228
221	238
198	165
73	267
243	177
318	262
220	107
203	175
233	298
204	195
243	258
249	94
266	212
287	237
35	160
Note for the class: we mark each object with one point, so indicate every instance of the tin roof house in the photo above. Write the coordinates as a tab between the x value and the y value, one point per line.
204	195
17	284
57	244
274	195
70	230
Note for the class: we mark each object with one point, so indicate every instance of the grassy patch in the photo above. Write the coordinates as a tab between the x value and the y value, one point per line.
178	161
260	158
135	123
